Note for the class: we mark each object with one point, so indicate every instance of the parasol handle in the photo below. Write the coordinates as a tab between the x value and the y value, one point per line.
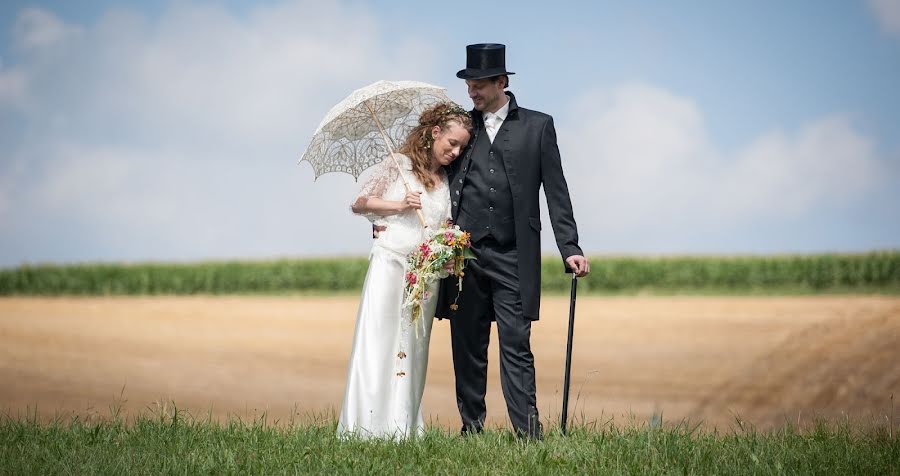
387	141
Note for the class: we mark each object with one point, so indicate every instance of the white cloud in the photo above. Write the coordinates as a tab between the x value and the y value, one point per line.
178	138
826	162
4	198
636	144
12	86
36	28
887	12
654	175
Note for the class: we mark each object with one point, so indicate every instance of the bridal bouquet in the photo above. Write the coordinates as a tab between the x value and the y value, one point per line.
441	255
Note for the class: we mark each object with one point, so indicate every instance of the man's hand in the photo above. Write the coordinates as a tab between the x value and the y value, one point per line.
377	229
449	267
579	265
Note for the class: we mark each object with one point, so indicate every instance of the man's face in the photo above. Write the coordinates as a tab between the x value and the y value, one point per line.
487	94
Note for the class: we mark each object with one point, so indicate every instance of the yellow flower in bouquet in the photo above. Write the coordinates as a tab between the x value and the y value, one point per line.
444	253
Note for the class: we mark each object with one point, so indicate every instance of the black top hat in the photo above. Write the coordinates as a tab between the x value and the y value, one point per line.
484	60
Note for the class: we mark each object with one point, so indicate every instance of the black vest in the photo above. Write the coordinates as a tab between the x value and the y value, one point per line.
486	207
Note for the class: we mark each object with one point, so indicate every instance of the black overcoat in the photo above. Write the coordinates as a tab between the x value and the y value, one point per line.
531	158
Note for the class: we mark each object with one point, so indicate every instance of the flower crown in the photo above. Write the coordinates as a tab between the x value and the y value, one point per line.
453	109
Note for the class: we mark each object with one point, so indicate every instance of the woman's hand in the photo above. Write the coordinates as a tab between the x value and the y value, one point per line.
412	200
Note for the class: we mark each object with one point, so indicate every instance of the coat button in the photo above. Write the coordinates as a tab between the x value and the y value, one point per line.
491	208
492	170
457	192
460	180
454	204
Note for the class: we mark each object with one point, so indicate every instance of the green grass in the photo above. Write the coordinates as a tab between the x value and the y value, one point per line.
176	443
867	273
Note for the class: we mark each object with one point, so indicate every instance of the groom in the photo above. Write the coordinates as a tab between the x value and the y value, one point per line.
494	195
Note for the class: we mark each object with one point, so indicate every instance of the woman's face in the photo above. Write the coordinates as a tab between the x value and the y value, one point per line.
448	143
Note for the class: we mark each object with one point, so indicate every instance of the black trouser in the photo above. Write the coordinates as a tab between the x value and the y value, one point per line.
491	292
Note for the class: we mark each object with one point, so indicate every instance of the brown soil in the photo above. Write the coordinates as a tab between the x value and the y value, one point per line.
762	360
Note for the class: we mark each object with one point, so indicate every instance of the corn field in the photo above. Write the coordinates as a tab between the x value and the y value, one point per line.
876	272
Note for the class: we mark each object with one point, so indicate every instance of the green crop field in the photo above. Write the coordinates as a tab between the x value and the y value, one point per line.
876	272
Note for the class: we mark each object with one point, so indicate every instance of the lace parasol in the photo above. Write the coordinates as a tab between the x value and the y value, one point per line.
365	127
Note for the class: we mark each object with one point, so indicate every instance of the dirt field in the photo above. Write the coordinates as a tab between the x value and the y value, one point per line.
705	359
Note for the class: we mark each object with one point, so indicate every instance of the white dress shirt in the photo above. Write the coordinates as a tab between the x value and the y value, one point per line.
493	120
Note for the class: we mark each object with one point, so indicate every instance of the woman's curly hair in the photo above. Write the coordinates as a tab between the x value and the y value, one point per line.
418	143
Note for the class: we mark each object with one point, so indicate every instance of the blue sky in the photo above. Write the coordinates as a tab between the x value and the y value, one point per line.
134	131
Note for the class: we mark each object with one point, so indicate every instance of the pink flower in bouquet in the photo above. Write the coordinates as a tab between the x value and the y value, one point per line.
425	266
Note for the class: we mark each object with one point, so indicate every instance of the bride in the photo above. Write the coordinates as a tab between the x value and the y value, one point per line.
388	362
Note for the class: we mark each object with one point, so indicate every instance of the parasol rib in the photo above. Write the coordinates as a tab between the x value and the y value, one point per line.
387	142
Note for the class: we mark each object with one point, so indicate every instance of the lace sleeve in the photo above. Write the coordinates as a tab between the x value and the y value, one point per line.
383	176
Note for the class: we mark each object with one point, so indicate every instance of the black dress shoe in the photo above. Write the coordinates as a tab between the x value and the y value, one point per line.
533	429
472	429
535	433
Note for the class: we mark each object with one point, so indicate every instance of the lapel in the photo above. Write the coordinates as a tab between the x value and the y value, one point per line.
478	133
506	136
504	140
461	166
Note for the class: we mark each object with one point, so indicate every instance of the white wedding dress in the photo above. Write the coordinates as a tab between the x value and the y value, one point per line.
386	378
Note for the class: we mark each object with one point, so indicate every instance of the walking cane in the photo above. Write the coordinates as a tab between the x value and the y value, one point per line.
565	408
